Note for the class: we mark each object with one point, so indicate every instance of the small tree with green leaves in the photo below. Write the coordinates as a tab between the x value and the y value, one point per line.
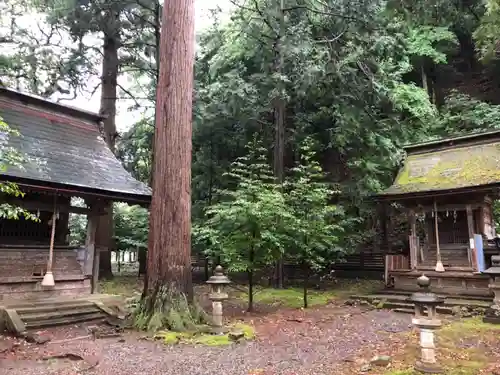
315	231
9	157
246	227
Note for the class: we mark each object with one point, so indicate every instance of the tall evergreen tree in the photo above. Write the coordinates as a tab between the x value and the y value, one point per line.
169	252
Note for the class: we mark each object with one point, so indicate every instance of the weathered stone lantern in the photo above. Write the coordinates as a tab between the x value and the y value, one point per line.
426	320
217	296
492	315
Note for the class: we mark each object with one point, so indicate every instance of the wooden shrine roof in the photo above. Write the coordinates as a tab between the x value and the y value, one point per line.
453	164
63	149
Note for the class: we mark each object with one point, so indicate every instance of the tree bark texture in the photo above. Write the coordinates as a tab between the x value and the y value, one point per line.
279	121
157	25
169	250
109	83
250	280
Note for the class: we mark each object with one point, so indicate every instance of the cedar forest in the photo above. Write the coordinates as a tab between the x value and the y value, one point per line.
300	108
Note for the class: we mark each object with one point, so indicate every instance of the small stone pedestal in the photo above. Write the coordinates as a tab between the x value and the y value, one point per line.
427	322
217	296
492	315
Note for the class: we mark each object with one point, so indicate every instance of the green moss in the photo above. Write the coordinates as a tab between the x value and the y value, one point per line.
455	359
293	297
197	338
401	372
380	304
347	288
155	322
470	327
247	330
170	337
212	340
467	368
121	285
460	167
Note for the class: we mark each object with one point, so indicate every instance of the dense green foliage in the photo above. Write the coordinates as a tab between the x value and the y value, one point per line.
317	225
357	80
130	227
9	157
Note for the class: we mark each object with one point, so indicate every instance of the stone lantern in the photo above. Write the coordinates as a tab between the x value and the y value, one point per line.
426	320
492	315
217	296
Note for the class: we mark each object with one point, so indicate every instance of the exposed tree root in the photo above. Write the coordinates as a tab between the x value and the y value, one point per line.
167	309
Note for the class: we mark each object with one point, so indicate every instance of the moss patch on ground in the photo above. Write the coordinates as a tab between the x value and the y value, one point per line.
127	286
131	286
294	297
463	348
207	339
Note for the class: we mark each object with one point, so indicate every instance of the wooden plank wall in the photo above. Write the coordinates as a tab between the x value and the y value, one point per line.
395	262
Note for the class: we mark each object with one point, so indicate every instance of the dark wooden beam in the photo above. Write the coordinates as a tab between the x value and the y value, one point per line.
446	207
42	206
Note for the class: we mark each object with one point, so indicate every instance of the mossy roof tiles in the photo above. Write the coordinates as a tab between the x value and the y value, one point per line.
453	167
64	146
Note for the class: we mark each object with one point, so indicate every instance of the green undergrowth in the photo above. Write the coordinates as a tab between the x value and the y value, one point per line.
207	339
468	328
293	297
458	348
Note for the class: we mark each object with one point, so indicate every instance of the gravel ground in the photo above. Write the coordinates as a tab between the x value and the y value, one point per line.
317	342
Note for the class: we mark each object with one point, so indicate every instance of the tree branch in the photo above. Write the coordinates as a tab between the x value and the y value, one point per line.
343	16
259	12
132	96
329	41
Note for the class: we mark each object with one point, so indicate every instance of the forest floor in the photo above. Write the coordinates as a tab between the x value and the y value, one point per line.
331	338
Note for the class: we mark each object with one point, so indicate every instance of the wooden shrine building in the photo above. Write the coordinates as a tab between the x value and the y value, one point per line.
64	156
447	189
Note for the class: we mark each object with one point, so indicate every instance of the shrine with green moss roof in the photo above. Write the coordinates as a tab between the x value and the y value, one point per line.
447	189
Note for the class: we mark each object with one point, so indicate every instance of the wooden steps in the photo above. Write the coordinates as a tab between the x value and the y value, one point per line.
392	292
23	316
399	302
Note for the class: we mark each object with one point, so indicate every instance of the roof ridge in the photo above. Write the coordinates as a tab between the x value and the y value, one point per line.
51	116
432	144
40	101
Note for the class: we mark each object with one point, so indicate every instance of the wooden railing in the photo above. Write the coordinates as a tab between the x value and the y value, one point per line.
362	261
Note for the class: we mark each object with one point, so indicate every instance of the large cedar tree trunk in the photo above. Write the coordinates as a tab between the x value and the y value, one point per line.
109	82
169	251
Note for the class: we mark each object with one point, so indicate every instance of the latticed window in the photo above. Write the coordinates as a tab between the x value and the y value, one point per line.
23	231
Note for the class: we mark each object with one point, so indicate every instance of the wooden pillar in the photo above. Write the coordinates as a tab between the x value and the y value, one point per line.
92	255
378	230
62	229
413	239
439	262
470	226
384	222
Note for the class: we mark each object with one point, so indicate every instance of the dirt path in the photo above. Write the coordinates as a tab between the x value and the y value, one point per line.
290	342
